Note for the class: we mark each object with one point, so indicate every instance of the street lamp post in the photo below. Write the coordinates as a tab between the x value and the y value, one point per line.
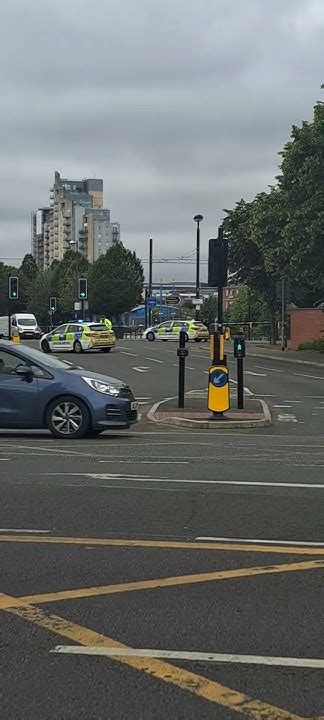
198	219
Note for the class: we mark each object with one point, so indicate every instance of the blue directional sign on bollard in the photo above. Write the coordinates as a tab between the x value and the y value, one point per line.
218	389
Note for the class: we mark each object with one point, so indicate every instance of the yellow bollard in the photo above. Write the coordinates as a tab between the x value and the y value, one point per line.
15	336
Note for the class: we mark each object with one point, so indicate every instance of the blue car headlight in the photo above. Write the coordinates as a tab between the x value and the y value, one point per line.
101	386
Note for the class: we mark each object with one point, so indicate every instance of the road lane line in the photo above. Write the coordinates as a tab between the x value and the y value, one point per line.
154	360
193	683
148	462
141	369
249	372
136	478
124	352
191	656
313	377
282	406
176	581
261	367
24	530
161	544
258	542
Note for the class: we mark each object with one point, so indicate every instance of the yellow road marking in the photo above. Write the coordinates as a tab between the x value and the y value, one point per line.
163	582
193	683
176	545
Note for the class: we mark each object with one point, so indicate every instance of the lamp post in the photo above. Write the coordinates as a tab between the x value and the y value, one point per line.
198	219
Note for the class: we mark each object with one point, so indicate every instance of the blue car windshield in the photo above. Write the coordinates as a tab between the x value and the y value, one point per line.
48	360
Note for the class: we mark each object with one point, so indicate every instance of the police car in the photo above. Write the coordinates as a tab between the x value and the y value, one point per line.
79	337
170	330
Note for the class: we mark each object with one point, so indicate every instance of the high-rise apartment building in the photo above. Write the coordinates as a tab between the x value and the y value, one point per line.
75	220
40	232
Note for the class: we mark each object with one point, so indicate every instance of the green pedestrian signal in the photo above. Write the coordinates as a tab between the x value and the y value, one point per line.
13	288
52	304
239	347
82	288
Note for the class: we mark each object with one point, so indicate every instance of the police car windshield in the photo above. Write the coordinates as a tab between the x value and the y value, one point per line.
49	360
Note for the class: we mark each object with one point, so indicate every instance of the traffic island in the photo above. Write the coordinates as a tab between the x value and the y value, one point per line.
195	414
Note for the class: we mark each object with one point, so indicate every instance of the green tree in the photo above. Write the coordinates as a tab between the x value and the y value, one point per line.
116	282
27	274
41	291
301	184
15	306
209	310
255	231
65	279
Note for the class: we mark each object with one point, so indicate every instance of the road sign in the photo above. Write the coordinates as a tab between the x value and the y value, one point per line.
82	288
173	300
13	288
197	301
218	389
239	347
151	301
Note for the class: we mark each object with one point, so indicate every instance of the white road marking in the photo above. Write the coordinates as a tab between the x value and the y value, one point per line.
140	369
262	542
261	367
282	406
249	372
295	402
137	478
154	360
143	398
313	377
192	656
124	352
148	462
319	408
4	459
24	531
191	368
286	417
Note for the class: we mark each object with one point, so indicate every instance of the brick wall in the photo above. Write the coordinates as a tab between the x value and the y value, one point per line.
305	324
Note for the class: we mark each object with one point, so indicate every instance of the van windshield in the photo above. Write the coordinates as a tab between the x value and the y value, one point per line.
26	322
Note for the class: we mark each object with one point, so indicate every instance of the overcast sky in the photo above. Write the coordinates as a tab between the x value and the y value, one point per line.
180	106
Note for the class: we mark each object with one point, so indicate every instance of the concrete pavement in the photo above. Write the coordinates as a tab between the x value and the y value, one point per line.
158	540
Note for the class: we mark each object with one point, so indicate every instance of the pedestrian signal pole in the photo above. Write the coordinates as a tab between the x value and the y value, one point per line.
82	293
13	294
239	354
52	309
182	353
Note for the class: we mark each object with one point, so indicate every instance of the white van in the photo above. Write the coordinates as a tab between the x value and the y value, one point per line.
26	324
4	327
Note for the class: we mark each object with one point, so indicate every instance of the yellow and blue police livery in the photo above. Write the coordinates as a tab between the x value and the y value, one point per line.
78	337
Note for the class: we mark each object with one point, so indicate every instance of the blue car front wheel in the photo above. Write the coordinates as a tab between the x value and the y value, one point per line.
68	418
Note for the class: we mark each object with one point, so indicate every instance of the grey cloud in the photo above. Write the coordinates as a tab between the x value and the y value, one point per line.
180	108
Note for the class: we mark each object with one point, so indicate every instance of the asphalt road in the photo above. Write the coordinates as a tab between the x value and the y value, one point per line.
167	541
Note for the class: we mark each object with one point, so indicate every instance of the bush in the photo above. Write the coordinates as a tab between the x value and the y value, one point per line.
313	345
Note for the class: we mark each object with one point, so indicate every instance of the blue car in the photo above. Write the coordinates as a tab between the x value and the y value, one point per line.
41	391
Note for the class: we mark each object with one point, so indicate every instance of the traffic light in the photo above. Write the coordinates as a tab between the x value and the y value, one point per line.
82	288
52	304
239	347
13	288
218	261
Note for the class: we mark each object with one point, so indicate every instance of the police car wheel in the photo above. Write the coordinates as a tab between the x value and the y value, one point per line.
77	347
45	347
105	350
150	336
68	417
197	339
